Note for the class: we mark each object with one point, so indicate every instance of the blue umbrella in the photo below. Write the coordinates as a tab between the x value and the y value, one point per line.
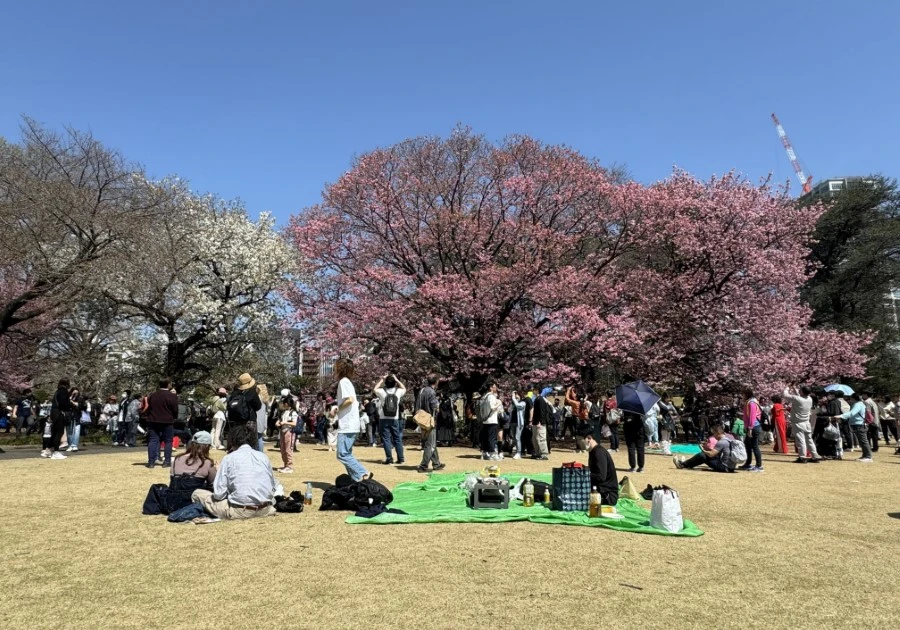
636	397
837	387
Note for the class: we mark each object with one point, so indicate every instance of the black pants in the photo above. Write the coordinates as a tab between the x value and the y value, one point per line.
751	441
873	436
846	435
57	427
702	458
888	428
634	439
489	437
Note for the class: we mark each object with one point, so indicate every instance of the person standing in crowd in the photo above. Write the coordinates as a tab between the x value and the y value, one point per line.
219	408
517	423
633	427
542	416
390	391
244	402
262	414
888	420
752	416
603	471
285	424
595	416
446	422
130	418
668	415
60	409
651	427
23	412
319	409
162	410
779	424
489	408
872	420
244	486
428	402
856	419
81	409
801	407
612	417
371	408
348	419
111	416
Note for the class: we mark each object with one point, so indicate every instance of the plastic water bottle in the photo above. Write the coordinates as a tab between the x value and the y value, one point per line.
547	497
307	498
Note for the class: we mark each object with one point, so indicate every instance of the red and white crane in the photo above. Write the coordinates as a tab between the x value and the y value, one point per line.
805	182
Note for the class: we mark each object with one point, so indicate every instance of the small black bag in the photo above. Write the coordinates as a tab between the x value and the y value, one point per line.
155	503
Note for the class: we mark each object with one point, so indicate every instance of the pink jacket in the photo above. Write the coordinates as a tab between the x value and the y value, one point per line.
752	414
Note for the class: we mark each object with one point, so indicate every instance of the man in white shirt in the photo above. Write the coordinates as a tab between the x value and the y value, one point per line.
801	410
348	420
244	486
390	392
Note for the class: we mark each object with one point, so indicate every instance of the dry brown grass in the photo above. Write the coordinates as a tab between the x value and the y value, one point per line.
797	546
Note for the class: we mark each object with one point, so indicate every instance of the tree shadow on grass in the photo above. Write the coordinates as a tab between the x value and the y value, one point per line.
894	515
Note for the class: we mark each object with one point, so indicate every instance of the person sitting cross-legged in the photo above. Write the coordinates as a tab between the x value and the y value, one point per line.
244	486
714	452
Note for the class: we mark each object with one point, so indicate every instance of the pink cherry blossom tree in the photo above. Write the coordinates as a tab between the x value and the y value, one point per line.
467	258
530	261
716	292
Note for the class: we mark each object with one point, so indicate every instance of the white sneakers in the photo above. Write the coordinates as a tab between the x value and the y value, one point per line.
58	455
71	449
45	452
517	456
286	470
865	460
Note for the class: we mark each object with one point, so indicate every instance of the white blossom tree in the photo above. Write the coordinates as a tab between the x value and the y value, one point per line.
203	283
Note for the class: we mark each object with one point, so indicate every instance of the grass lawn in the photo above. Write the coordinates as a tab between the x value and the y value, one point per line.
797	546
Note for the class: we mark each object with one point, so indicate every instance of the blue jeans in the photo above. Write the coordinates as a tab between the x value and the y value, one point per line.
74	433
345	443
391	436
156	433
517	432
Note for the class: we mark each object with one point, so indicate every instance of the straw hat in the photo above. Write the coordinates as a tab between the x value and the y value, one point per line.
245	382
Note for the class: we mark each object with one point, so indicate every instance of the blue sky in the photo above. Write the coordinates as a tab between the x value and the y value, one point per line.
269	101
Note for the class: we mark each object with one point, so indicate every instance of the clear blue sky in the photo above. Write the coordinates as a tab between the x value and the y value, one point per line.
268	101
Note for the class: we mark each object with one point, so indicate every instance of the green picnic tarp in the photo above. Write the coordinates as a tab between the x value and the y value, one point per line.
439	499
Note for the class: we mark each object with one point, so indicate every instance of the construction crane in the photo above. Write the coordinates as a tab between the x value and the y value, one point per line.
805	182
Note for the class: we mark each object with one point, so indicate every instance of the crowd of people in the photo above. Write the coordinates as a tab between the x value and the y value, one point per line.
515	423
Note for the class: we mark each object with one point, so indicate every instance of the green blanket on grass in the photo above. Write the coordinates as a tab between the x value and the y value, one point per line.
441	500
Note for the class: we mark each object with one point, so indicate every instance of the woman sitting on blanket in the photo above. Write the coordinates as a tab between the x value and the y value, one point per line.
191	471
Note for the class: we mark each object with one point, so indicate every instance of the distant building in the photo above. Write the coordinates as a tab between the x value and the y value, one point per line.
828	188
309	361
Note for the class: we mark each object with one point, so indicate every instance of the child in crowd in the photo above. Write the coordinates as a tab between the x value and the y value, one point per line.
286	423
332	420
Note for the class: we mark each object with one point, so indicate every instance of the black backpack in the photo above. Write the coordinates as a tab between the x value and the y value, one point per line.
391	405
594	413
239	409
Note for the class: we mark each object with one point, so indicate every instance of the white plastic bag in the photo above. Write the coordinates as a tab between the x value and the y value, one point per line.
665	512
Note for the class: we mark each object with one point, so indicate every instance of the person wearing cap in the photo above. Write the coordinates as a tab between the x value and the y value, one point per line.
603	470
196	462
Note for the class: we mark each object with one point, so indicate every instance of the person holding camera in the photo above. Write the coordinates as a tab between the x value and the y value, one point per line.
390	424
